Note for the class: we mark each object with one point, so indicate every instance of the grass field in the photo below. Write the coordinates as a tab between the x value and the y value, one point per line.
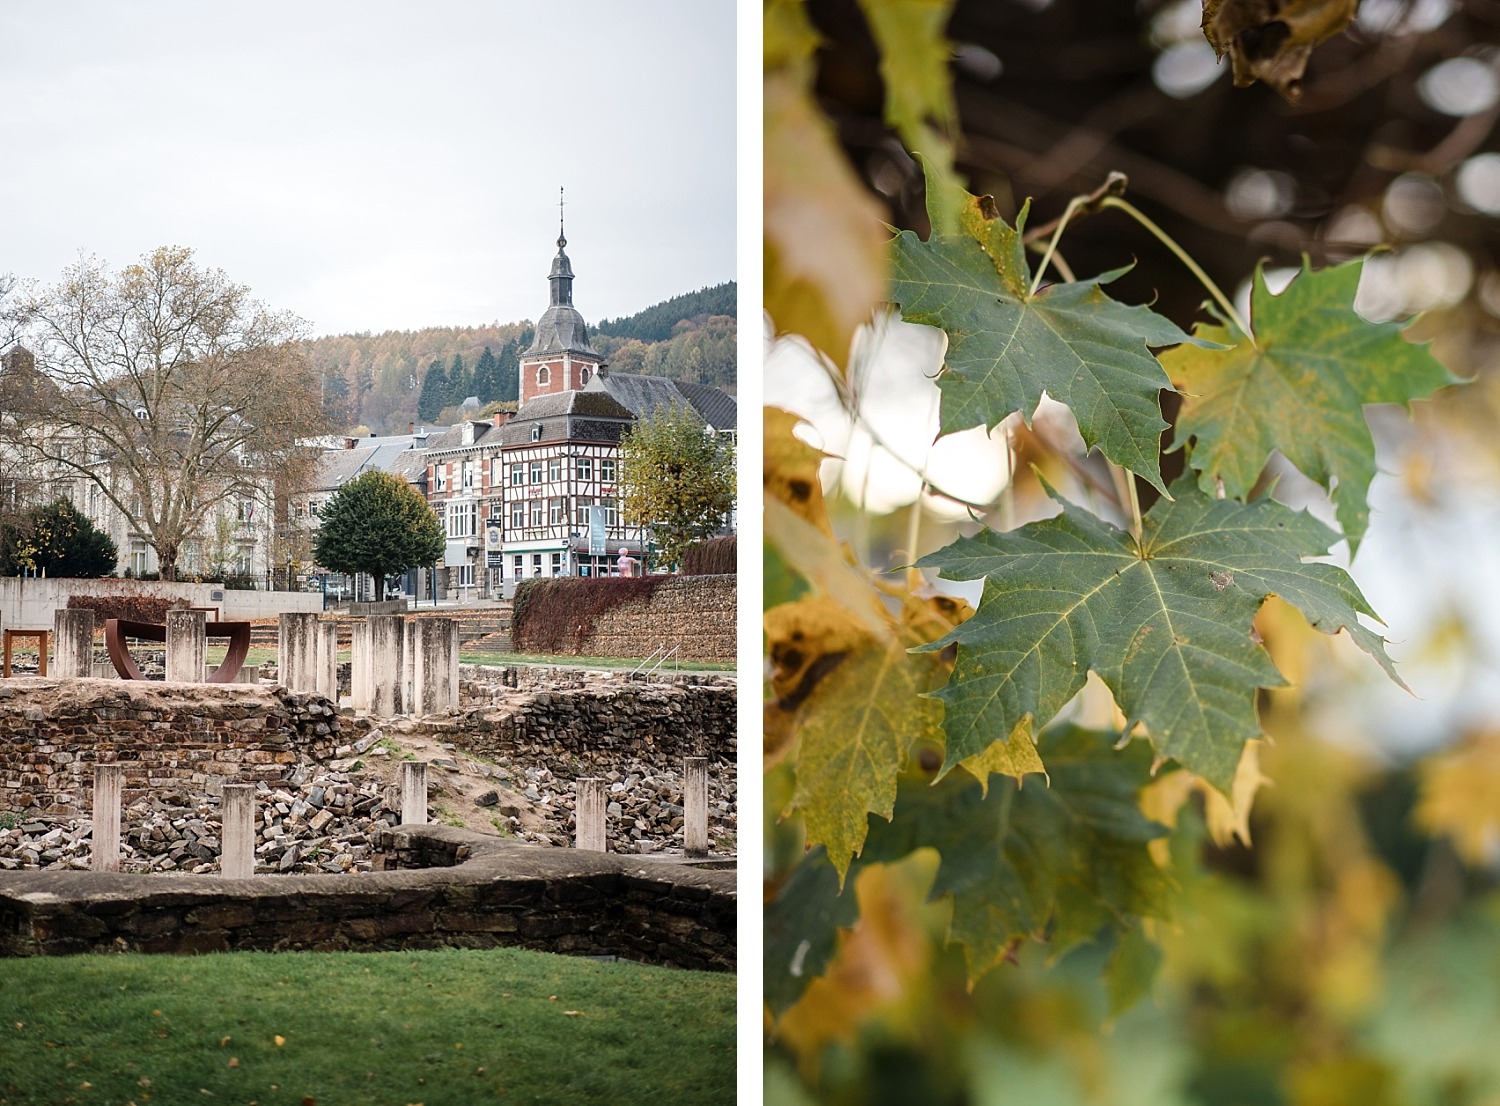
451	1026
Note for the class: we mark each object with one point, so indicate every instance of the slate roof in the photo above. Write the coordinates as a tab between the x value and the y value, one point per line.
557	411
561	328
644	395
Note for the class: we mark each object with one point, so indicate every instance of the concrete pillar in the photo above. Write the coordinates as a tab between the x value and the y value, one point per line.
187	646
588	815
387	665
361	691
695	807
408	674
297	650
434	664
108	781
328	661
414	792
237	856
73	643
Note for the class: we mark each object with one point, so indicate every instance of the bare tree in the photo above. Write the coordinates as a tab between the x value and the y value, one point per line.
174	390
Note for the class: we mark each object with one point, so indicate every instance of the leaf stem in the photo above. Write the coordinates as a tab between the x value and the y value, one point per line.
1126	495
1062	224
1182	255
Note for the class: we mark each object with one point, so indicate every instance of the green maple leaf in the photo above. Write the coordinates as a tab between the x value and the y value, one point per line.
1300	388
1166	624
1070	855
1006	346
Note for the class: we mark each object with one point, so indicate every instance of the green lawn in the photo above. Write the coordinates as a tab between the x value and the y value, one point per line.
469	656
451	1026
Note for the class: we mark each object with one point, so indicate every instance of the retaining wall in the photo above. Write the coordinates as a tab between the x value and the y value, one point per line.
499	893
694	613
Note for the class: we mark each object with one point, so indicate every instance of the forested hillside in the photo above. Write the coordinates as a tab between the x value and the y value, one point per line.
385	381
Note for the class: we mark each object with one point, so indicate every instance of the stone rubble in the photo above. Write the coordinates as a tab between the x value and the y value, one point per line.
326	818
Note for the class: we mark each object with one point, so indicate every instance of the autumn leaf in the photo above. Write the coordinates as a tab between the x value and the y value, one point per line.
801	927
914	64
1300	388
859	705
790	468
1272	40
1007	346
1460	798
825	260
1072	855
1165	624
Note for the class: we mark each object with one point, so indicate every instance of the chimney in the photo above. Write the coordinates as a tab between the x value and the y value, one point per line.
411	428
500	418
350	442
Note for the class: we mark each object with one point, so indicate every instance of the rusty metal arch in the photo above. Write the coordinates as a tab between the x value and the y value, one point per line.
116	630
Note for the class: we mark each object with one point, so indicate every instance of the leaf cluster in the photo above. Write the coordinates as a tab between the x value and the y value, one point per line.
676	478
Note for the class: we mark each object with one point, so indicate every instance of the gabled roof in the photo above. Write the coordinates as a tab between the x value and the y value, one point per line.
452	437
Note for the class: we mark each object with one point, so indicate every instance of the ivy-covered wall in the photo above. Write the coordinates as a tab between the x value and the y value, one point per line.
627	616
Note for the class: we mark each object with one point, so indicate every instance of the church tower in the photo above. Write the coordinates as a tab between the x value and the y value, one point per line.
560	358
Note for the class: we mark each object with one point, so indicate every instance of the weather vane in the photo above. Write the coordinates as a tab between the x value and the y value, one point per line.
562	239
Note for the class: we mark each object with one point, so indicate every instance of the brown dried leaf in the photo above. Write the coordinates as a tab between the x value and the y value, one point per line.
1271	40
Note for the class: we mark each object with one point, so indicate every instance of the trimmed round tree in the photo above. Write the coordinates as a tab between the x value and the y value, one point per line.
377	524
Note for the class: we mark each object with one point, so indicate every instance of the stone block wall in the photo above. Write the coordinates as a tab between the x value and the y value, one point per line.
168	736
499	893
604	714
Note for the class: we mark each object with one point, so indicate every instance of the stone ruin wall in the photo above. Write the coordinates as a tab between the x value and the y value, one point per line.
178	737
169	737
595	716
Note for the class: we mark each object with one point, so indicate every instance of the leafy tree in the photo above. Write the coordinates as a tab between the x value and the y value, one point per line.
676	478
377	524
58	540
434	395
171	390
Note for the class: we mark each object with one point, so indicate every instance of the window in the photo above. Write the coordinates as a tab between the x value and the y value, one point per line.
463	519
535	512
298	510
557	512
536	564
536	431
471	474
536	472
554	468
463	576
583	375
611	514
607	469
517	564
497	472
517	475
440	477
557	564
585	468
543	377
581	507
517	514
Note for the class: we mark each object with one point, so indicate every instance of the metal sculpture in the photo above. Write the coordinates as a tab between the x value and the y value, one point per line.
116	630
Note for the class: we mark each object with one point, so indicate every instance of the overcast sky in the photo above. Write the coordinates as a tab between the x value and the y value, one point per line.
377	165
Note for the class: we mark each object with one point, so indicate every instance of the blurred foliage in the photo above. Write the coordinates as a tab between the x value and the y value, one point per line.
1325	931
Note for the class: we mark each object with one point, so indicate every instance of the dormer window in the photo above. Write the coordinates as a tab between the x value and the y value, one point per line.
536	431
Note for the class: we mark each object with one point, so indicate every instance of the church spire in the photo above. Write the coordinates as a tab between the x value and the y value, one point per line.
561	277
